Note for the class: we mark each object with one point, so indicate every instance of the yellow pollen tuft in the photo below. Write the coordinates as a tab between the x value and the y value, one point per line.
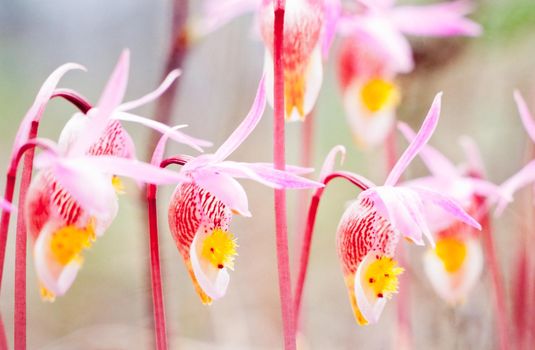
68	242
294	93
382	276
452	252
117	184
219	248
376	94
47	295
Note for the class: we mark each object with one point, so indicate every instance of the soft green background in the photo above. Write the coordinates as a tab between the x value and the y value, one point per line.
108	307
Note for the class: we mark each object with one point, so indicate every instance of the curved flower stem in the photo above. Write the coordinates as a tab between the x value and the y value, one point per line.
73	97
501	316
304	255
20	247
160	330
283	261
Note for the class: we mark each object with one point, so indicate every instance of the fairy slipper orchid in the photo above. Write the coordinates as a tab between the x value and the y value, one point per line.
455	264
371	228
202	205
301	54
387	24
526	175
370	93
72	199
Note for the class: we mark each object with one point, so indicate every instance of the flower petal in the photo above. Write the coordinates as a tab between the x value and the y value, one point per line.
159	150
523	177
247	125
224	188
39	104
328	163
370	306
175	135
218	13
525	115
435	161
56	278
332	10
213	281
448	205
109	100
424	134
5	205
265	175
444	19
151	96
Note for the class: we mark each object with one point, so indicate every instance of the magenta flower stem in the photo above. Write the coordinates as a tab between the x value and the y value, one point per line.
501	317
20	247
285	285
304	255
160	333
158	305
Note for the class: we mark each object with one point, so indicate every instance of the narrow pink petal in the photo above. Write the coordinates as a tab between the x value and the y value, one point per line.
168	81
435	161
109	100
268	176
218	13
445	19
159	150
448	205
332	12
473	156
163	128
525	115
328	163
39	104
224	188
523	177
424	134
132	168
246	126
297	170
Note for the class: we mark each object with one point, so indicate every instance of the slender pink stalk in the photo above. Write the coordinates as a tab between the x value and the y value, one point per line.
285	285
160	333
158	305
520	295
497	282
304	255
20	247
3	338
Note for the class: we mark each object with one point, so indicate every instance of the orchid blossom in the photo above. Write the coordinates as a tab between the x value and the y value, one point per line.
72	199
370	93
387	24
372	226
374	51
455	264
203	203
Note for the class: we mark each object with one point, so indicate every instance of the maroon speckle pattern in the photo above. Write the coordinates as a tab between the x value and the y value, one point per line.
114	142
190	206
361	230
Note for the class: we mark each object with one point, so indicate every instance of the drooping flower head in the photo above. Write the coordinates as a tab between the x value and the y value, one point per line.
72	200
371	227
301	54
370	93
202	206
455	264
374	51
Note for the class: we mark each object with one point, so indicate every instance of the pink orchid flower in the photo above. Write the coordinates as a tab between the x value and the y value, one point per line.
370	229
455	264
526	175
72	199
309	28
370	93
202	204
387	24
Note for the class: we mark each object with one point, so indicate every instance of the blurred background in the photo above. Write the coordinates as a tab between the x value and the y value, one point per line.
109	305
